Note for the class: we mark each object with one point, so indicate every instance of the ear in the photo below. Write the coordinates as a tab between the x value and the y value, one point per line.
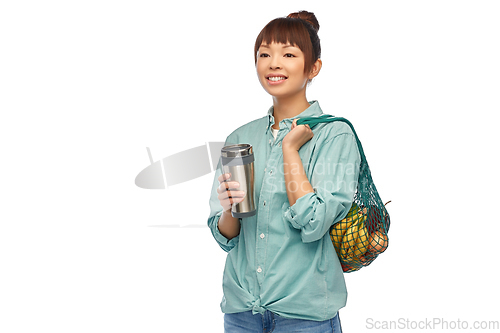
315	69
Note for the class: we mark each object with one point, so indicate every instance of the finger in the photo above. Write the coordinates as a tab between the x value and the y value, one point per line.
221	178
224	177
226	185
226	201
236	195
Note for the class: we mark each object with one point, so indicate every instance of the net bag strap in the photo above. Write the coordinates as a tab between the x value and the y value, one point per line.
326	118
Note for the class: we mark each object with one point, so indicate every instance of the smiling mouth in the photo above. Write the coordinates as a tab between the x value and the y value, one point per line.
276	78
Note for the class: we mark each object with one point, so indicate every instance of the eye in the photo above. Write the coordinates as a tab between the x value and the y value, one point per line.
289	55
263	55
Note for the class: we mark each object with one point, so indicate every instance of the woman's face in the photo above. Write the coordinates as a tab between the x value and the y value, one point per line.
280	68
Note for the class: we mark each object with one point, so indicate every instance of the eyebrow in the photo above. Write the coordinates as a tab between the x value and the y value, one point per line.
287	45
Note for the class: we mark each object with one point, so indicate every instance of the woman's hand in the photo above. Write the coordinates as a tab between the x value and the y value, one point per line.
228	193
298	135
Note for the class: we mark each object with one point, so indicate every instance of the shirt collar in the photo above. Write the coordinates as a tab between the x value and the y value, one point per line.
313	110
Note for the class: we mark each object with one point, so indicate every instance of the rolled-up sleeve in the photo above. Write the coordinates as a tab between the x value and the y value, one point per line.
216	212
224	243
333	173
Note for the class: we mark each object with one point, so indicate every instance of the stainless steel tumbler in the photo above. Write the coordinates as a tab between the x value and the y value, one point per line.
238	161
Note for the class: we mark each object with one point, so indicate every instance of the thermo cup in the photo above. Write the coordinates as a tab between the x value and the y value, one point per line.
238	161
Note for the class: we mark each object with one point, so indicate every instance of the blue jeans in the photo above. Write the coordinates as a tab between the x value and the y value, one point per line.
269	322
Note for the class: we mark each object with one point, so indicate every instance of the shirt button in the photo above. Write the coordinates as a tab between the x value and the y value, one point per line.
262	236
271	172
264	203
259	270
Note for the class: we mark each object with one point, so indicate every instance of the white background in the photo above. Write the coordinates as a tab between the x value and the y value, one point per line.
86	86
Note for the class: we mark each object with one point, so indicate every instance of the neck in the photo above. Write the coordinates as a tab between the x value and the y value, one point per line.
288	108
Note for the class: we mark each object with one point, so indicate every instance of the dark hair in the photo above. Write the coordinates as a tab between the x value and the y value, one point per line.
299	29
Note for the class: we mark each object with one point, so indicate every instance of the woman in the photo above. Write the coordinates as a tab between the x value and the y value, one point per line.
282	273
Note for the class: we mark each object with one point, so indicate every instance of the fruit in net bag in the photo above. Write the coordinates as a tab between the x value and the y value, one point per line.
378	242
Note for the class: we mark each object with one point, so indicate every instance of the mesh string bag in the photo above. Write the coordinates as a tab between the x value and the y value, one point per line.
362	234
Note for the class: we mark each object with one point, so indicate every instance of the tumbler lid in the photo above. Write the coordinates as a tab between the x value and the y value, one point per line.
239	150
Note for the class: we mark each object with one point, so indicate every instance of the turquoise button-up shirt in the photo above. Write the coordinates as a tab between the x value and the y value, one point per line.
283	259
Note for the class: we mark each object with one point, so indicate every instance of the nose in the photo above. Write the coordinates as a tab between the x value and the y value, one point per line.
275	63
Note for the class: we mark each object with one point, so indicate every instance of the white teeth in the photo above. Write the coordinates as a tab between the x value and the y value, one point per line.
276	78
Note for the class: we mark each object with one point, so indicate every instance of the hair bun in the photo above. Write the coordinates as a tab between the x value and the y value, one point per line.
306	16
